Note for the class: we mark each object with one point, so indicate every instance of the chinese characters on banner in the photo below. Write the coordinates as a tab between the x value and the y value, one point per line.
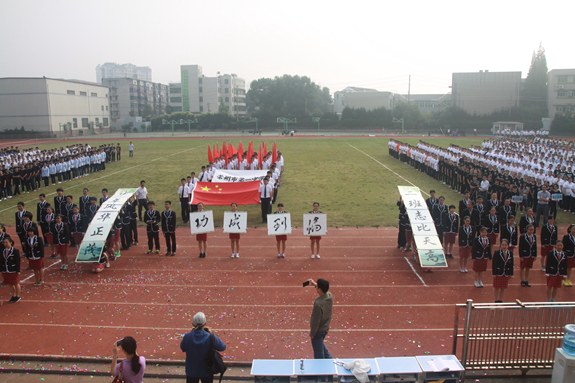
202	222
221	175
279	224
98	230
314	224
425	236
235	222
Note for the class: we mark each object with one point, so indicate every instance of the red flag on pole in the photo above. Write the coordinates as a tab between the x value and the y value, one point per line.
240	150
260	157
250	154
223	194
225	152
216	152
274	153
265	148
210	158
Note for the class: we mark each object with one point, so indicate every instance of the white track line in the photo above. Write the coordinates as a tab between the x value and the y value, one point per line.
403	178
45	268
412	268
110	174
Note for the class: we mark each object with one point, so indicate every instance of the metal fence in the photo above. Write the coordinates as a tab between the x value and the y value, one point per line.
510	335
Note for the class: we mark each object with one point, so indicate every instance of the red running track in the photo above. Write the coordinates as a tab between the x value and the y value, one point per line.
256	304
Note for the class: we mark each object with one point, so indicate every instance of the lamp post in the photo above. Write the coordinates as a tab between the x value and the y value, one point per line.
402	122
60	124
189	122
173	122
286	122
316	119
256	120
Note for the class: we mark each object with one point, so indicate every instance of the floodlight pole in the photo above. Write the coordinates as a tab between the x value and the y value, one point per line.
166	122
189	122
256	120
402	122
286	122
316	119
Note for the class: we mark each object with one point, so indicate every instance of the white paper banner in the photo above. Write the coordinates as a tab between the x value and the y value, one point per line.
202	222
235	222
238	175
279	224
98	230
314	224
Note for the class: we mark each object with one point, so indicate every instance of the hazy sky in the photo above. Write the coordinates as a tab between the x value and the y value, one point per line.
372	44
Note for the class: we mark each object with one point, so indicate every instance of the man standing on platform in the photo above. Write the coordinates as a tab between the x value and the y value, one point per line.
320	318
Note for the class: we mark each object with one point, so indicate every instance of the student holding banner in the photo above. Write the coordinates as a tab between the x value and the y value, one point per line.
450	231
203	237
235	237
281	239
315	238
61	235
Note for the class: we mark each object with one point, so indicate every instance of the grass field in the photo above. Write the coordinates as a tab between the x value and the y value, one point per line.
352	188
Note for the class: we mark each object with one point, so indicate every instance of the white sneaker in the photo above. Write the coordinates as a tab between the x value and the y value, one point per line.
108	264
318	257
62	267
480	283
237	255
65	267
462	270
233	255
542	268
312	256
476	284
279	255
283	255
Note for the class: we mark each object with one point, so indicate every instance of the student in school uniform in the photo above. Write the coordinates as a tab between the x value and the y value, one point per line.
78	224
169	228
510	233
59	201
466	237
84	202
505	211
19	215
117	236
41	214
555	270
569	249
481	210
27	224
235	237
152	218
481	254
450	231
316	238
527	219
281	239
183	194
192	183
266	194
61	234
35	255
10	269
431	201
439	214
49	218
527	253
92	209
472	213
105	196
492	225
502	270
493	202
103	261
202	238
403	220
131	208
125	232
548	235
463	204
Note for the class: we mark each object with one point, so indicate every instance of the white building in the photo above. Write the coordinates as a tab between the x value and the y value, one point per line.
113	70
197	93
486	92
354	97
45	105
561	92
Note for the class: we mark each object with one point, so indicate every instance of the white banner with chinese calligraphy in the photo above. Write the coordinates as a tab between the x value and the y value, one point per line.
425	236
98	230
238	175
235	222
279	224
202	222
315	224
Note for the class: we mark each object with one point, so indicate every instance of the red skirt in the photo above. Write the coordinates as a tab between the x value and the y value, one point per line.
571	262
500	281
11	278
554	281
202	237
281	237
526	263
118	234
36	264
234	235
479	265
78	237
318	237
449	237
62	249
464	252
50	238
492	238
408	237
545	250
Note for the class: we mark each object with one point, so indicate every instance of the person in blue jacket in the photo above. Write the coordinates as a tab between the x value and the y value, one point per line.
196	345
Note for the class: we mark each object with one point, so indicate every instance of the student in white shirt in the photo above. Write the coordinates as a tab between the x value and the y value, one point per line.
142	197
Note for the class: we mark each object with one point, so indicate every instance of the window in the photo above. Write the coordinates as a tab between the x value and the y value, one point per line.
226	81
106	108
201	89
105	121
97	121
175	99
227	99
94	94
561	94
559	109
85	123
83	93
201	99
201	108
71	92
200	80
102	107
175	90
75	122
219	99
176	108
561	78
227	90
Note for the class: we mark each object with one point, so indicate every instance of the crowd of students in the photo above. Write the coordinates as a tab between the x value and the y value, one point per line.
27	170
522	133
499	181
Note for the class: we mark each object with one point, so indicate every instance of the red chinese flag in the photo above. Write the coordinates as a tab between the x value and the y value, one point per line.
210	158
240	150
250	154
274	153
223	194
225	152
216	152
265	148
260	157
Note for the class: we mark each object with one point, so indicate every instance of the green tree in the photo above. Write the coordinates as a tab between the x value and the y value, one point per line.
223	109
148	111
169	109
411	115
126	128
534	94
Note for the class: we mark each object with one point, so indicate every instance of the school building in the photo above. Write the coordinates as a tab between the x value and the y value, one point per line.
561	92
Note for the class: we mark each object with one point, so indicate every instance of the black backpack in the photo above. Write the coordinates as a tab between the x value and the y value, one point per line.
214	363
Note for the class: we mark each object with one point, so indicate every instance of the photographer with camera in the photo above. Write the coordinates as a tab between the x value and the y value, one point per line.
197	345
131	369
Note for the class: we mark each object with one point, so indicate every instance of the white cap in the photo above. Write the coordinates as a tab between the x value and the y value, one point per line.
199	319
